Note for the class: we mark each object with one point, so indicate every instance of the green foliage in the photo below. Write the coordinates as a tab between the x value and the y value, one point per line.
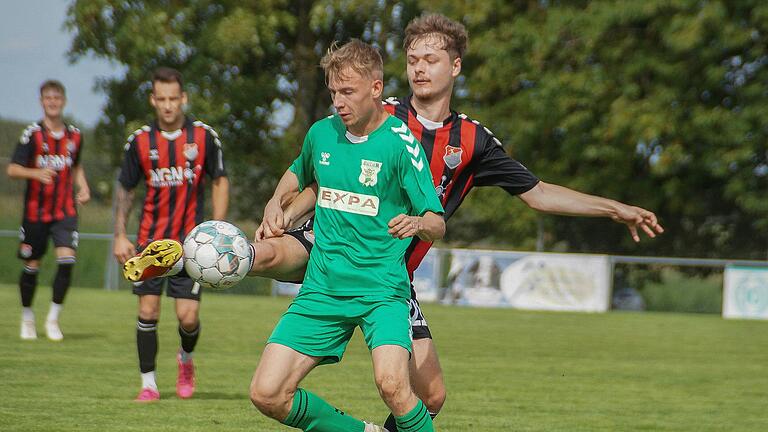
656	103
677	292
247	66
508	370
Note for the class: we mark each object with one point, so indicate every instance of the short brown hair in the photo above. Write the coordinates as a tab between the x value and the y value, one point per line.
356	55
452	33
167	75
53	85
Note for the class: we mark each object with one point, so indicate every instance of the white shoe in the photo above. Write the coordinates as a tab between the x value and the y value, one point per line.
370	427
53	331
28	330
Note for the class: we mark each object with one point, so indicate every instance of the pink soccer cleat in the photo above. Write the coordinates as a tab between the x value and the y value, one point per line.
148	395
185	383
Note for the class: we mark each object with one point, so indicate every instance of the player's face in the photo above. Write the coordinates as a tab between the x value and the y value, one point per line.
168	101
430	70
355	98
53	102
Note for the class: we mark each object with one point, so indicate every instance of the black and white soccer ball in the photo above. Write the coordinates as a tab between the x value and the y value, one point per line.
217	254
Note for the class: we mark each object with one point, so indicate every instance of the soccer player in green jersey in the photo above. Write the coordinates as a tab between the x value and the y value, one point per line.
374	191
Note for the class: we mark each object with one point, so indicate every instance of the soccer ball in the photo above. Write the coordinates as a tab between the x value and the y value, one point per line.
217	254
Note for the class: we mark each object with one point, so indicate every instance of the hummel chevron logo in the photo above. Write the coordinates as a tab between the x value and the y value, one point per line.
405	135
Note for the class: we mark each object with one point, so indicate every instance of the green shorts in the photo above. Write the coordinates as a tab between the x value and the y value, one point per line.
321	325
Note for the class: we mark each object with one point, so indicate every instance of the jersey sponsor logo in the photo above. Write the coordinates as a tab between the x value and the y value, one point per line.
324	156
171	177
54	162
452	156
405	134
350	202
369	171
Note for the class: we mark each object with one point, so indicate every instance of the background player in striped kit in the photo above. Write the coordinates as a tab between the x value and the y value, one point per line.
171	156
48	157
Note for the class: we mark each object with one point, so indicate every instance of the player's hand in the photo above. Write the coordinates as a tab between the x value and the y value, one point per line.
44	175
636	217
403	226
83	195
123	249
273	224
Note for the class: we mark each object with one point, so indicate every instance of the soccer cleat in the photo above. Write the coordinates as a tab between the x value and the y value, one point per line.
185	382
159	258
148	395
370	427
53	331
28	330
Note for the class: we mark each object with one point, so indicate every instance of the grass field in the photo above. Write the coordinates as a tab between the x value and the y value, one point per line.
505	370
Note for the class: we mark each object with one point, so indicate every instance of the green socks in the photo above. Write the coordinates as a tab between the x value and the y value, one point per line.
418	420
312	414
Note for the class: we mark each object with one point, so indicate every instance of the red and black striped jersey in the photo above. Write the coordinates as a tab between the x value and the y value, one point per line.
172	165
41	148
462	154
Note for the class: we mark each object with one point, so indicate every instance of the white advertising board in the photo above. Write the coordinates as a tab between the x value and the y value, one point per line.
745	293
538	281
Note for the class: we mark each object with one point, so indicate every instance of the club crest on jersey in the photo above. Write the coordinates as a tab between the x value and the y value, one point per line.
369	171
70	146
25	250
324	156
452	156
154	154
190	151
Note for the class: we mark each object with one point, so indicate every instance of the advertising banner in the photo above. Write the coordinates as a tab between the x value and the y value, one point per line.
745	293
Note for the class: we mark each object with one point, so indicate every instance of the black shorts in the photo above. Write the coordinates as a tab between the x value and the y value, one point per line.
306	236
419	326
34	236
178	287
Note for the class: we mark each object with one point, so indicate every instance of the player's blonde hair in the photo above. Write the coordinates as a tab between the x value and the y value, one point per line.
355	55
452	34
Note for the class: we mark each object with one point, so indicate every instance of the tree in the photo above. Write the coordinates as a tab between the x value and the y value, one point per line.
251	69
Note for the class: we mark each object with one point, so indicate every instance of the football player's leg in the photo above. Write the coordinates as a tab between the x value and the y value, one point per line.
387	333
303	338
27	286
34	241
425	371
187	294
283	258
148	293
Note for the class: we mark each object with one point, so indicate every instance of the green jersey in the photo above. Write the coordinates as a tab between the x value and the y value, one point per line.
363	183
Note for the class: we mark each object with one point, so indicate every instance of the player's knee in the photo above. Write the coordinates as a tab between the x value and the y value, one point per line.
147	312
271	400
393	390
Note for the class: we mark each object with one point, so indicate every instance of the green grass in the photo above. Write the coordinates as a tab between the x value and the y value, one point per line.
505	370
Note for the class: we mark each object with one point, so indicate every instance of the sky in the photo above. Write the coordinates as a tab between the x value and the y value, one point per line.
33	46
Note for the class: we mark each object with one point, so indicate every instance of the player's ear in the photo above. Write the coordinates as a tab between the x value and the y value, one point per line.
456	68
184	98
377	88
152	99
